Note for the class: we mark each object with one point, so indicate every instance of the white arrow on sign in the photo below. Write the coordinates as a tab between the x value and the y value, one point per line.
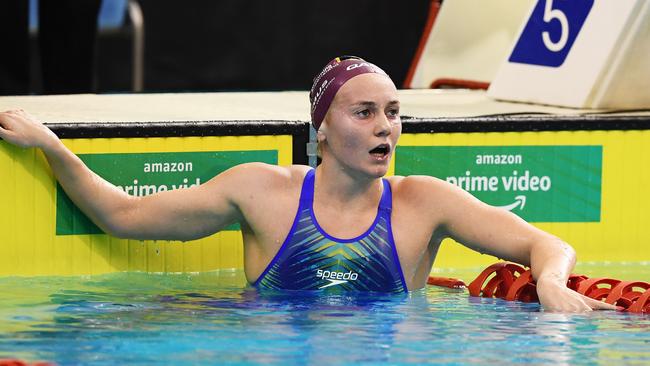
519	201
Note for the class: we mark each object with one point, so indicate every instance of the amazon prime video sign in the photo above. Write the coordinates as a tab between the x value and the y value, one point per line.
538	183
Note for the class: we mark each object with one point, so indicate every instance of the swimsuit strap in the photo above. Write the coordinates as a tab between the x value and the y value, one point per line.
307	192
386	202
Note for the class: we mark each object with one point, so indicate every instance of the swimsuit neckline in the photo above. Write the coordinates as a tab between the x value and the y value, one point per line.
381	207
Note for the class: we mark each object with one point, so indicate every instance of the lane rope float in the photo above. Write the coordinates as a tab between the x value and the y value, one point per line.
513	282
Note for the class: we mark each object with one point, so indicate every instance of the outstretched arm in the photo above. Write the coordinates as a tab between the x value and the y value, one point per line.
176	215
498	232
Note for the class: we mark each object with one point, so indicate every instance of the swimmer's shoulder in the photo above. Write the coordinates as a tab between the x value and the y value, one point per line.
422	189
268	176
417	182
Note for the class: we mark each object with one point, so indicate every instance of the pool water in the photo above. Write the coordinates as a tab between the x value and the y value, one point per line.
214	318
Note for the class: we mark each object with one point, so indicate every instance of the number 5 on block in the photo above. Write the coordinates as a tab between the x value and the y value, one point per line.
580	54
550	32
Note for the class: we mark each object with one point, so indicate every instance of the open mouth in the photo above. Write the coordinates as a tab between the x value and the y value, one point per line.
380	151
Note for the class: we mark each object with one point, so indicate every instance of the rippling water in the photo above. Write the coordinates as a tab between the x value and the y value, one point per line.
214	318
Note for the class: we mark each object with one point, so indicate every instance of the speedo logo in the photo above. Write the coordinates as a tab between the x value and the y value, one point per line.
336	278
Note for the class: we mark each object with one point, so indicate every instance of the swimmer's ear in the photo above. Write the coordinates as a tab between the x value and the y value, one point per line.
321	134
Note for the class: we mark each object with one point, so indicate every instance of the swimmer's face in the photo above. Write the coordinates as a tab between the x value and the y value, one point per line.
363	124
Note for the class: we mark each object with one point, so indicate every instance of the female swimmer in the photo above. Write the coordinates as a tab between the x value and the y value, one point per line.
341	226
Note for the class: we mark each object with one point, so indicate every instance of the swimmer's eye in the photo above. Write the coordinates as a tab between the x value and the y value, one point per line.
393	113
363	113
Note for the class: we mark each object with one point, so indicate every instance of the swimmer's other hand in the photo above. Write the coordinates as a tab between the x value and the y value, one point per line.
555	296
22	129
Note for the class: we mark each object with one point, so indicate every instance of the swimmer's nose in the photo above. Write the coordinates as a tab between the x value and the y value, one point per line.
382	126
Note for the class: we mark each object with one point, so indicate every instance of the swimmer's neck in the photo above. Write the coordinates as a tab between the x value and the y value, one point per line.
342	188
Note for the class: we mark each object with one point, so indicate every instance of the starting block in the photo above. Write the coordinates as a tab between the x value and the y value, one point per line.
580	54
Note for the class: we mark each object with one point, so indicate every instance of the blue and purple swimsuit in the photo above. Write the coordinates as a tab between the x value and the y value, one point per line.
311	259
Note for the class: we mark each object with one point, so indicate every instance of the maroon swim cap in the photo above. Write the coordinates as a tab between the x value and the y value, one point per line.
326	84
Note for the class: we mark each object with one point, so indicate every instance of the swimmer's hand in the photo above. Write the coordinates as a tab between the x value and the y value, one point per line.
22	129
555	296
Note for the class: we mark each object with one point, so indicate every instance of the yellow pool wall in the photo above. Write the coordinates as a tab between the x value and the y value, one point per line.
623	233
29	246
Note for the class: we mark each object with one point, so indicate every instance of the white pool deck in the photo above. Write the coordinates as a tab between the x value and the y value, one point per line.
246	106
